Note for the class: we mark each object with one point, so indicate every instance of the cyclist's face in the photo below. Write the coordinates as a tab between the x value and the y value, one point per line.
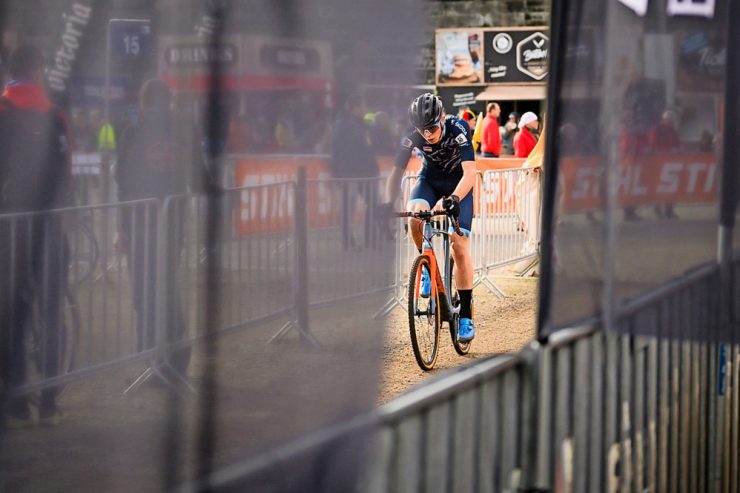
432	134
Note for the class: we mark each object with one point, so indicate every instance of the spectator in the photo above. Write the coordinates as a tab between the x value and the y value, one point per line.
84	134
150	167
238	139
664	137
527	136
491	138
381	135
263	138
706	141
104	132
470	118
509	131
353	156
633	144
285	133
473	123
478	132
34	176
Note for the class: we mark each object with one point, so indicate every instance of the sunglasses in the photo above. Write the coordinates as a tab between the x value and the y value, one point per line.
429	131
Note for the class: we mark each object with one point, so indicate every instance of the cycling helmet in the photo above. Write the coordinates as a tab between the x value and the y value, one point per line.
425	111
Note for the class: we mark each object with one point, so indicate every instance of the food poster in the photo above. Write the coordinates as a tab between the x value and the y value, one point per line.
459	57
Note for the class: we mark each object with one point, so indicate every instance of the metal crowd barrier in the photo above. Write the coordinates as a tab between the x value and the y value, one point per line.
639	413
460	433
79	316
735	292
510	216
94	303
347	239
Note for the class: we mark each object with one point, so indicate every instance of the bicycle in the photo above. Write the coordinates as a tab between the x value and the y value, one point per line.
84	251
427	313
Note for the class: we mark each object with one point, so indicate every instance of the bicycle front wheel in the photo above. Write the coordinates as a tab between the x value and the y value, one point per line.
424	319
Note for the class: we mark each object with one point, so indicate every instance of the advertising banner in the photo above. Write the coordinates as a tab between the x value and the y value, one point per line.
686	178
249	62
459	57
458	97
701	61
74	21
260	208
516	55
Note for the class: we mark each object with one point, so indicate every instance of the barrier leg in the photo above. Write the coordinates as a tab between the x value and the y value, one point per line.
170	377
395	301
535	261
491	286
287	327
160	367
300	321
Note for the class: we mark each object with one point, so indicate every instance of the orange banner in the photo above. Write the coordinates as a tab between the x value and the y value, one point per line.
269	209
657	179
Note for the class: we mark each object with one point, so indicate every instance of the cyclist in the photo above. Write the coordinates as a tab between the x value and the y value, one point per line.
448	172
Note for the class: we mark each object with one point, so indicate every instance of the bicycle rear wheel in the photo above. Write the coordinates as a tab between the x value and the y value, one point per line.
424	318
83	249
462	348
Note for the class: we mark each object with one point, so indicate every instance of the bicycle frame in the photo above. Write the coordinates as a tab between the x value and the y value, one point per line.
443	282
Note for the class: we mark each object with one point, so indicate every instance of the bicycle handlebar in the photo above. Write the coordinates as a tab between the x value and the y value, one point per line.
428	215
421	214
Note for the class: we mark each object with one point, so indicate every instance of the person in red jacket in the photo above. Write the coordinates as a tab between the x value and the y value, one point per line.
490	144
664	138
34	178
527	136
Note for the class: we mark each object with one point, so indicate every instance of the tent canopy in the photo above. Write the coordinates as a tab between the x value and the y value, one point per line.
513	92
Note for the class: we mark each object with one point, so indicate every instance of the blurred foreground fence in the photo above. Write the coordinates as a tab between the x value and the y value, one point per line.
94	287
586	411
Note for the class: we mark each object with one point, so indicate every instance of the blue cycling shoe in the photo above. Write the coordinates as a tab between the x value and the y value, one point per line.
466	331
426	283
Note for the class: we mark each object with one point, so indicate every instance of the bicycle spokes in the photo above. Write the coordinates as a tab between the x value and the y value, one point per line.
424	320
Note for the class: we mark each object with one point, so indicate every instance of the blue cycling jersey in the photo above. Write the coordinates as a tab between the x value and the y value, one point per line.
443	160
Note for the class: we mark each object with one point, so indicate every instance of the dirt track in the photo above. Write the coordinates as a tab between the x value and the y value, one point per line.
502	326
265	394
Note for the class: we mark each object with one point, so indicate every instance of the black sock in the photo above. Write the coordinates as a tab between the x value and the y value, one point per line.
466	300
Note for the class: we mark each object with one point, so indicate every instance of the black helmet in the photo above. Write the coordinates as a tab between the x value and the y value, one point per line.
425	111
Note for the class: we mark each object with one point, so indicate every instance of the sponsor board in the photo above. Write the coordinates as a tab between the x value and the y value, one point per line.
686	178
532	54
516	54
270	209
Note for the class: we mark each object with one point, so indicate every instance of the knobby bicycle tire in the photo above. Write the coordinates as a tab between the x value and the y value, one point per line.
426	364
83	253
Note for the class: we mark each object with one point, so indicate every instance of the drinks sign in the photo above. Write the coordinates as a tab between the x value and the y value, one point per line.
531	55
516	55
